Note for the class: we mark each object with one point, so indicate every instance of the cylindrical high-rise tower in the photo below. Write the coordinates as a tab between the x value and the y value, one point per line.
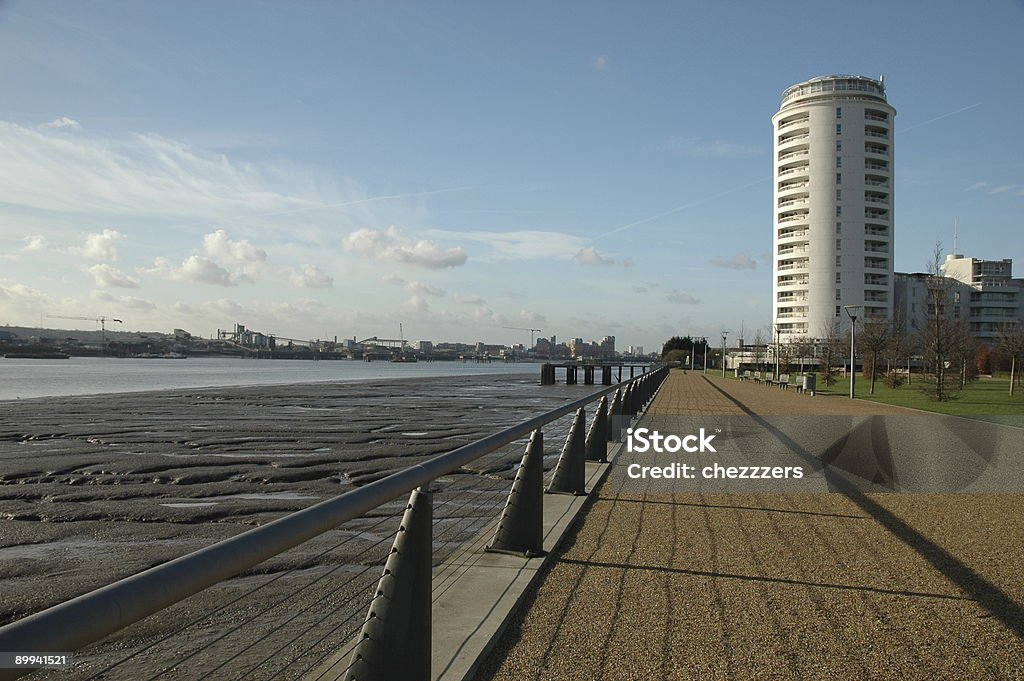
832	204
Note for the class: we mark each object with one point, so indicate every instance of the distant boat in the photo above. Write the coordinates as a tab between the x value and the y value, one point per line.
36	355
403	359
165	355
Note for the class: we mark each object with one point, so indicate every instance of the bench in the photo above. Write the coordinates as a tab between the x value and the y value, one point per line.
742	375
757	377
783	381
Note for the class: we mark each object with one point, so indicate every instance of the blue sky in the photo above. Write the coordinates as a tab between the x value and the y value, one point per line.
321	169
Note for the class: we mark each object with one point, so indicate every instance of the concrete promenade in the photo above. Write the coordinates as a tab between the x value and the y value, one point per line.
838	585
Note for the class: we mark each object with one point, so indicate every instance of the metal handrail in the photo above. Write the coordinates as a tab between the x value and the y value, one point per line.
89	618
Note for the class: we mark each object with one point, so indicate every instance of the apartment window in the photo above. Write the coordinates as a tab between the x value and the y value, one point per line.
839	145
839	244
913	307
839	128
839	178
839	112
839	161
839	261
837	310
839	195
839	277
839	211
839	228
839	294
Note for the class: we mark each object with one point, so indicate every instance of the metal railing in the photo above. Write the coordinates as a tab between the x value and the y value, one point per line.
84	620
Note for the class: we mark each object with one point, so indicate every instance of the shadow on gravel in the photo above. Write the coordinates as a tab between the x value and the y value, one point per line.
987	594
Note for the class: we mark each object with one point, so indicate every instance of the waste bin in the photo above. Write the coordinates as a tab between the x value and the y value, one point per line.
809	381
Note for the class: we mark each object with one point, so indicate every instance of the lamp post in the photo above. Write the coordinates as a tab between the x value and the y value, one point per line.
776	325
724	334
705	356
851	311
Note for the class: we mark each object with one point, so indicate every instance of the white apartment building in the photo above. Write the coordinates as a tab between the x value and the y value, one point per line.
832	204
981	292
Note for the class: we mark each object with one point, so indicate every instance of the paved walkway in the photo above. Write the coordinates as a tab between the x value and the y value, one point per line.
777	586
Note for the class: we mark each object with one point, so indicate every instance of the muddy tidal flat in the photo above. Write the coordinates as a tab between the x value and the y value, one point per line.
93	489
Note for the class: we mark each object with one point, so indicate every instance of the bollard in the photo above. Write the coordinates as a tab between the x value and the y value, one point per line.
547	374
588	375
606	375
570	375
521	527
597	438
395	638
614	412
570	473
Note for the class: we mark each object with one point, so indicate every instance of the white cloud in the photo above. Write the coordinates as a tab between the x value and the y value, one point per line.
590	256
684	298
601	63
736	262
125	302
390	246
310	276
62	122
418	288
696	146
1003	188
249	259
193	268
468	300
392	279
100	246
534	319
416	304
34	242
523	244
105	275
141	174
977	185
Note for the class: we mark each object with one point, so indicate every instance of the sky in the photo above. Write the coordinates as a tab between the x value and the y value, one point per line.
322	169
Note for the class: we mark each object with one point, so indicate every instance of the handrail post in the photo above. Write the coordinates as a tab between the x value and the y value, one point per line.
570	473
394	642
614	412
521	527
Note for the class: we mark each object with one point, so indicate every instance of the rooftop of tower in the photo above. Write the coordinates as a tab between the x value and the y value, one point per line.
836	83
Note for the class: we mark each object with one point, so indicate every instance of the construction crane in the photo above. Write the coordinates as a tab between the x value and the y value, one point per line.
519	328
102	321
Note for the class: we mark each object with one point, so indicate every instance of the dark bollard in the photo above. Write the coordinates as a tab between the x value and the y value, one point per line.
395	639
597	438
521	527
570	476
614	414
606	375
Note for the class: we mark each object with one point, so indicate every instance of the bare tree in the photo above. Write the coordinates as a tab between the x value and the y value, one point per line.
942	336
830	349
898	350
874	338
759	349
1011	344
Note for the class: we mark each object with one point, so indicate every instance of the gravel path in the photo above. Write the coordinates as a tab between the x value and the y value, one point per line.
840	585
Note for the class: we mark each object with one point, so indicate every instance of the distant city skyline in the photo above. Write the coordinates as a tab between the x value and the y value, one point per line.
314	170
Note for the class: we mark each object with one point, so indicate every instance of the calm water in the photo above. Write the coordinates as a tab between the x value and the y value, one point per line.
24	378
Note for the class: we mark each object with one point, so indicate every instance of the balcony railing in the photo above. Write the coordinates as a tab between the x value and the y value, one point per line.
872	183
794	282
794	202
876	166
876	216
802	265
794	233
790	171
792	251
793	218
876	250
793	185
793	154
872	133
792	138
795	121
873	117
874	199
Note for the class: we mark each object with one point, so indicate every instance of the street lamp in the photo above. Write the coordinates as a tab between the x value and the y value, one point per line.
776	325
724	334
851	311
705	355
